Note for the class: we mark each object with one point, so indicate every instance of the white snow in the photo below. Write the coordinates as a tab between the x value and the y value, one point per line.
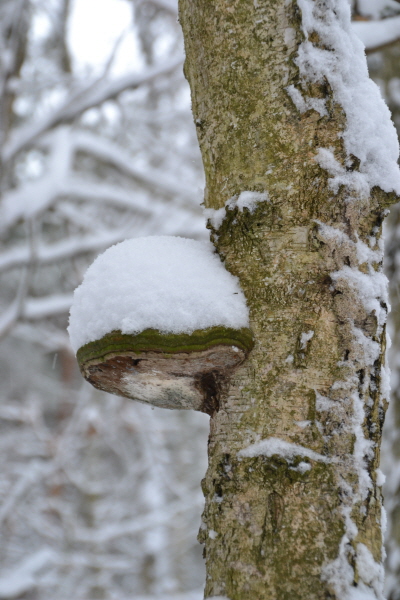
339	573
305	338
287	450
374	34
303	104
369	135
46	306
167	283
243	200
322	403
377	8
370	289
358	252
247	200
371	294
303	424
367	292
371	572
92	94
385	381
383	523
22	578
302	467
215	216
31	199
380	477
363	449
367	350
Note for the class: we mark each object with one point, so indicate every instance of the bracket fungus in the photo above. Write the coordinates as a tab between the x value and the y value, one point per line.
160	320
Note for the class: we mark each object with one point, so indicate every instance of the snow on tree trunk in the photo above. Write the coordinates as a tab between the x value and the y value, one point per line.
300	159
384	67
391	438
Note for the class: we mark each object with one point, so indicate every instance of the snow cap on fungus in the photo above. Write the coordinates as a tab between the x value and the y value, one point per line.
160	320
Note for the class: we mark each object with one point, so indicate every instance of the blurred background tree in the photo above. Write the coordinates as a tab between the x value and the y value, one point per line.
100	497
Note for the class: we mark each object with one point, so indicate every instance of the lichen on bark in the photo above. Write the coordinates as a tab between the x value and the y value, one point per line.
270	531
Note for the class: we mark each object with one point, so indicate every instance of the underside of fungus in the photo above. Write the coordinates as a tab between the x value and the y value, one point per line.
169	370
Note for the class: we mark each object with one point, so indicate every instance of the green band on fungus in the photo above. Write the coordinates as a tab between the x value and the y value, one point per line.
152	340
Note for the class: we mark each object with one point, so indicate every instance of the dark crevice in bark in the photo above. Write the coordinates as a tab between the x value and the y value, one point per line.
210	385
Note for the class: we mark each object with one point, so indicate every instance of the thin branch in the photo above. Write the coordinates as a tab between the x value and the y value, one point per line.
109	152
70	248
47	306
11	316
378	34
93	95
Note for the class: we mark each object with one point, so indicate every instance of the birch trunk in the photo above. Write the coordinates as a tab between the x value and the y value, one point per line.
299	515
391	448
385	68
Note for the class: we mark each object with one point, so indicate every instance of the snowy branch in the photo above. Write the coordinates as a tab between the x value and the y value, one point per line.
23	578
32	199
109	152
92	95
70	248
377	34
35	197
48	306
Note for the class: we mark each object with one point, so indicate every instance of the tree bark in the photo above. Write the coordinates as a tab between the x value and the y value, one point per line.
298	516
391	447
386	69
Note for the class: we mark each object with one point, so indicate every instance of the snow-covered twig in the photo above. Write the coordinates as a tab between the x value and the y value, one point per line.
49	253
377	34
92	95
48	306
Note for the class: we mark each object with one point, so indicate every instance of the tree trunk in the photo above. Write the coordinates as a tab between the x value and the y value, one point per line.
385	68
391	453
293	499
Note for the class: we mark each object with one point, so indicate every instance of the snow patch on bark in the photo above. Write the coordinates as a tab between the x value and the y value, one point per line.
341	575
370	289
287	450
302	468
305	338
246	199
380	477
305	103
361	301
339	58
357	251
215	216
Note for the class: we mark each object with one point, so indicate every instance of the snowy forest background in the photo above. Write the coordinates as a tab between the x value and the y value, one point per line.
100	497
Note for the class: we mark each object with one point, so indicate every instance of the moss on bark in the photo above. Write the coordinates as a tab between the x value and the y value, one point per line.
152	340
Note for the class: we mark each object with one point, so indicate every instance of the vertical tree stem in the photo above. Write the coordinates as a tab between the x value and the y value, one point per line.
298	516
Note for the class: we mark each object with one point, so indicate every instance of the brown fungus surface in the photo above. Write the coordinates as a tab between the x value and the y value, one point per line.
176	371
